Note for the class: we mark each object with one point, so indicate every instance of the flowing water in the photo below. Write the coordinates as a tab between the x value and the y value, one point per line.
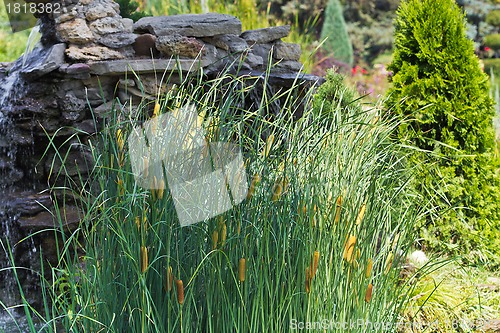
11	314
7	87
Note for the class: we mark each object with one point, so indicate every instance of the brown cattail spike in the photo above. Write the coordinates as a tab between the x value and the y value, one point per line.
349	248
253	185
153	188
161	188
223	235
308	280
119	139
338	209
277	190
361	214
144	259
121	188
156	110
267	147
369	293
241	269
315	263
215	239
180	291
170	278
388	262
369	267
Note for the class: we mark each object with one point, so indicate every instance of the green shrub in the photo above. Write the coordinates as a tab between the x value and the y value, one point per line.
335	30
438	85
493	18
492	41
129	9
334	94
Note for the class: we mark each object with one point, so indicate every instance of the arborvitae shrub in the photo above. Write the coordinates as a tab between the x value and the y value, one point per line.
439	88
335	30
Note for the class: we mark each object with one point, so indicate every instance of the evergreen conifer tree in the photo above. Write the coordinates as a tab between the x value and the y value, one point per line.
441	91
335	30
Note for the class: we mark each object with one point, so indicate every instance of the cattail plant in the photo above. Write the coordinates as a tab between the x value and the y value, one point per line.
223	234
215	239
253	184
308	279
154	186
314	264
180	291
369	267
120	140
241	269
361	214
156	110
277	190
268	145
369	292
144	259
314	216
170	279
349	249
226	298
160	189
388	262
121	146
121	188
338	208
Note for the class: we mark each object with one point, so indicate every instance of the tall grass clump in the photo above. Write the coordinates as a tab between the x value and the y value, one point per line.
318	242
437	84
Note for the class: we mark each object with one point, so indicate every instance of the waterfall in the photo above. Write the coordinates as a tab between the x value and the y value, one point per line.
10	315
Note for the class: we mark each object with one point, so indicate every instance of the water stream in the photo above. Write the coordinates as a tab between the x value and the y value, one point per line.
11	317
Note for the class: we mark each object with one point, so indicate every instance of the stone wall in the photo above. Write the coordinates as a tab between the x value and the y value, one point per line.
90	57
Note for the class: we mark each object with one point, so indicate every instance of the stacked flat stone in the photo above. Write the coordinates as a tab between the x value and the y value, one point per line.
99	58
218	39
93	30
96	44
